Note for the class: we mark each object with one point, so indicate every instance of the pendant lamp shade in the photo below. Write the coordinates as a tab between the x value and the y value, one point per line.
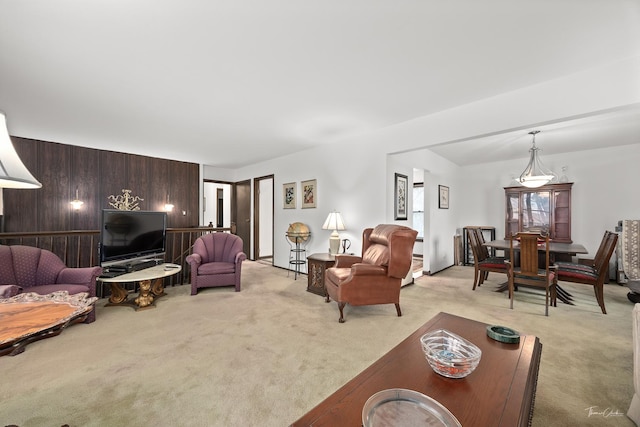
535	174
13	173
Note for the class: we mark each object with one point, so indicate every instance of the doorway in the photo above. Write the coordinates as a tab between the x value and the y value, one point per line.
242	214
217	204
263	219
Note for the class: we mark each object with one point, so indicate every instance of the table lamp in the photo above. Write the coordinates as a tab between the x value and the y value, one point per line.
334	222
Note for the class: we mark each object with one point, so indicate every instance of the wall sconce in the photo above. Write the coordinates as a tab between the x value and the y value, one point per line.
77	203
13	173
168	206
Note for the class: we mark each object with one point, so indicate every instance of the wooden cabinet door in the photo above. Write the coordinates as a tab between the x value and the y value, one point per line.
546	209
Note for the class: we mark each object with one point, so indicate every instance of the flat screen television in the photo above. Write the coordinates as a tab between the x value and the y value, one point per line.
129	236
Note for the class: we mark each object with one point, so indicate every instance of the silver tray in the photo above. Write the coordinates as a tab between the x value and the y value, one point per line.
401	407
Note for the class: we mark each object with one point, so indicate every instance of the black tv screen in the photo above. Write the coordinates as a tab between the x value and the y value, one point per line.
131	235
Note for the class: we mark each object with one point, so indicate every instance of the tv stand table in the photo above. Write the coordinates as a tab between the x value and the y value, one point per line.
150	280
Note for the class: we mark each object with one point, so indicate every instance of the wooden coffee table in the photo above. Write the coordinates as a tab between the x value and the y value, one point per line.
500	392
30	317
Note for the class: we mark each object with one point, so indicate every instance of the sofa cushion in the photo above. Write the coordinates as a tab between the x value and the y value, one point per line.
8	291
494	262
217	268
572	266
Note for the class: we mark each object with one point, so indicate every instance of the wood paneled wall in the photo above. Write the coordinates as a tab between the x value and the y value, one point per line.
96	174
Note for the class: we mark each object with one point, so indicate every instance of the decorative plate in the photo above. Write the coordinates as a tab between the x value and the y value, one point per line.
400	407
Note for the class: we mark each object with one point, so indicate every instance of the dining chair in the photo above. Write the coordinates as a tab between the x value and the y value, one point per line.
529	273
594	274
483	262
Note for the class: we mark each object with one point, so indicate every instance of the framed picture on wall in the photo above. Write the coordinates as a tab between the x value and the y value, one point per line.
309	193
289	195
401	189
443	197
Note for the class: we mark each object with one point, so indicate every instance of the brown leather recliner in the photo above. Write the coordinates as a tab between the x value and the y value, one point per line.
376	276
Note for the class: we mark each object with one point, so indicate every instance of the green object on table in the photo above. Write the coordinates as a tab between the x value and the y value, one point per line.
503	334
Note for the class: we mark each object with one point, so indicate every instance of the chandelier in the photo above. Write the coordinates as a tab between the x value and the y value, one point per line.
535	174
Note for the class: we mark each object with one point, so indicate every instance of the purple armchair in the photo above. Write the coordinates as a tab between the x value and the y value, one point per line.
32	269
216	261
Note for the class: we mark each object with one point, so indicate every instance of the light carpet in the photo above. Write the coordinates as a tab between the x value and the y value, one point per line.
268	354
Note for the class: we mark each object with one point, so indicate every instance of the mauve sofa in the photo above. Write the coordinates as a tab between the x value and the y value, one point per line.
31	269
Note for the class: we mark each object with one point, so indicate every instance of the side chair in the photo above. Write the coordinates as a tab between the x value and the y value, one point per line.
483	262
529	272
594	274
216	261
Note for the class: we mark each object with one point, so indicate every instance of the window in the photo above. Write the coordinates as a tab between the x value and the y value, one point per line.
418	209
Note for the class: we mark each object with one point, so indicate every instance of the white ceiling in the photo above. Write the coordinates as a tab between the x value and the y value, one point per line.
232	82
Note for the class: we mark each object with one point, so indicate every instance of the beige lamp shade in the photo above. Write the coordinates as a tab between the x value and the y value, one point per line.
334	222
13	173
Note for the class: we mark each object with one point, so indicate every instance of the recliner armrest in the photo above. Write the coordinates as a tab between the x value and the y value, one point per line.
346	261
361	269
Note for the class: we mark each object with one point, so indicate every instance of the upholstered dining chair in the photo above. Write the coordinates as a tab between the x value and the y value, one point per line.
594	274
529	273
216	260
483	262
376	276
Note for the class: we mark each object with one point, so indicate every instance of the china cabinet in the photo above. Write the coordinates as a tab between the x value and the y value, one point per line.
546	209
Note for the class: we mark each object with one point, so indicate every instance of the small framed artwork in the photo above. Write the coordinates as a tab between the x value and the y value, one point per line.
289	195
309	193
400	196
443	197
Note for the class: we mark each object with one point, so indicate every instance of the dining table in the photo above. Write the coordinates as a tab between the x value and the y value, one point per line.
564	249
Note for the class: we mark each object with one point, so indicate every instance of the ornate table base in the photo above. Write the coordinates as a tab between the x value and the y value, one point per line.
149	291
150	281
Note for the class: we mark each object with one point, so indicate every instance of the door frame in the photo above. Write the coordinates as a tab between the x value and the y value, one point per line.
256	214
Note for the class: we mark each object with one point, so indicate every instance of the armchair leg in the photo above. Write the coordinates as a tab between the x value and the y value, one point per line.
341	307
398	309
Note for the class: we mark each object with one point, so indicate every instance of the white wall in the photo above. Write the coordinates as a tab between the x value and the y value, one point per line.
355	176
602	193
346	182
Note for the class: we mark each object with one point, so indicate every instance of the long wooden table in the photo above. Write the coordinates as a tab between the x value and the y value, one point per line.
554	248
500	392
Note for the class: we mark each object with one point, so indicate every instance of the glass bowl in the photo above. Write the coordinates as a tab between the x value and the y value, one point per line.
449	354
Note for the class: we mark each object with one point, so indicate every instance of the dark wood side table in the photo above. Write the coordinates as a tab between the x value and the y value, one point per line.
318	264
499	393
